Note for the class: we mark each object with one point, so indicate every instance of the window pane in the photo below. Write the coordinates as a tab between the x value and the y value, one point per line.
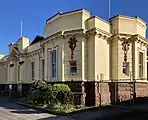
32	69
54	56
32	65
53	73
53	63
73	67
43	63
140	64
126	68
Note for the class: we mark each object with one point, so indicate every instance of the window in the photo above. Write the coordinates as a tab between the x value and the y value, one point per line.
43	63
73	67
140	65
53	64
32	70
126	68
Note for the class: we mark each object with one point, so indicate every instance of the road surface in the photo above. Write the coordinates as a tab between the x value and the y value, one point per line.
11	111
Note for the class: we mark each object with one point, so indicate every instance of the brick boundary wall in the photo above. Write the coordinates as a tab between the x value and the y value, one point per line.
96	93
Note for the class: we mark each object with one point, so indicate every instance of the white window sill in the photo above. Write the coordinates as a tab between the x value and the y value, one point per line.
73	74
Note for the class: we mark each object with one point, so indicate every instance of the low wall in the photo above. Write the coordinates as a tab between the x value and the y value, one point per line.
98	93
114	92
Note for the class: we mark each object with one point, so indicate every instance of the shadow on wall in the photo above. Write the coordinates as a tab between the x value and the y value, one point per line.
113	89
120	92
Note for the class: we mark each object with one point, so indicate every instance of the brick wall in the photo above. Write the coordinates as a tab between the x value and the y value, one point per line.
113	92
141	89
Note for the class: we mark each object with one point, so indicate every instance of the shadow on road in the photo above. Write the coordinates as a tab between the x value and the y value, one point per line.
26	111
130	115
15	108
56	118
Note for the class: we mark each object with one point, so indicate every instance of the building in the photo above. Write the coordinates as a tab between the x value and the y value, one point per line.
97	58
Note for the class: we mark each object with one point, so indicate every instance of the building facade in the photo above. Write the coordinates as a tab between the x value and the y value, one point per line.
97	58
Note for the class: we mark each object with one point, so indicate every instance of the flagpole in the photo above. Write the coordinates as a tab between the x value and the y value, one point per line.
109	15
21	29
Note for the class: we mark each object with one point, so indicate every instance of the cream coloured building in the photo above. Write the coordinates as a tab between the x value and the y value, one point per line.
106	53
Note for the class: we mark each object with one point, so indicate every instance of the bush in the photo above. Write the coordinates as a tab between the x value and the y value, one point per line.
58	92
58	97
60	88
65	98
63	108
40	93
43	93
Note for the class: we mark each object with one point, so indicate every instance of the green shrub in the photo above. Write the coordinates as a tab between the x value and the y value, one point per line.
58	92
63	108
43	94
65	98
60	88
40	93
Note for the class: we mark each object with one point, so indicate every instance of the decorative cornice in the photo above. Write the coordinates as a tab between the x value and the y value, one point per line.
76	33
99	32
139	39
132	38
63	34
33	53
53	36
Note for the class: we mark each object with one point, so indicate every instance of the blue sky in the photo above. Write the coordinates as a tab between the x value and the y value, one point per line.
34	13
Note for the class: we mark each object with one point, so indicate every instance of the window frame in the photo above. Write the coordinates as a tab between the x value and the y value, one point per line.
70	67
43	68
126	68
55	64
141	64
32	70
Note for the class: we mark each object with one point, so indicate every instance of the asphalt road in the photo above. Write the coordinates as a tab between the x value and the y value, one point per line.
11	111
129	116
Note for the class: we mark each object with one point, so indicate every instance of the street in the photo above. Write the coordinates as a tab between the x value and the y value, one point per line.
128	116
11	111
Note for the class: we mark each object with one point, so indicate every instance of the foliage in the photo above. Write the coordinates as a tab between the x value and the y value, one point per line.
58	96
81	107
59	91
40	93
60	88
65	98
43	93
62	107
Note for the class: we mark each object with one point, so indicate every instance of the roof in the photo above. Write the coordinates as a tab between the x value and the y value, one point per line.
131	17
60	13
37	39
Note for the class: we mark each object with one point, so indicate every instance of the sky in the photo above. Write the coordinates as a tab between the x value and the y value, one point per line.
34	13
